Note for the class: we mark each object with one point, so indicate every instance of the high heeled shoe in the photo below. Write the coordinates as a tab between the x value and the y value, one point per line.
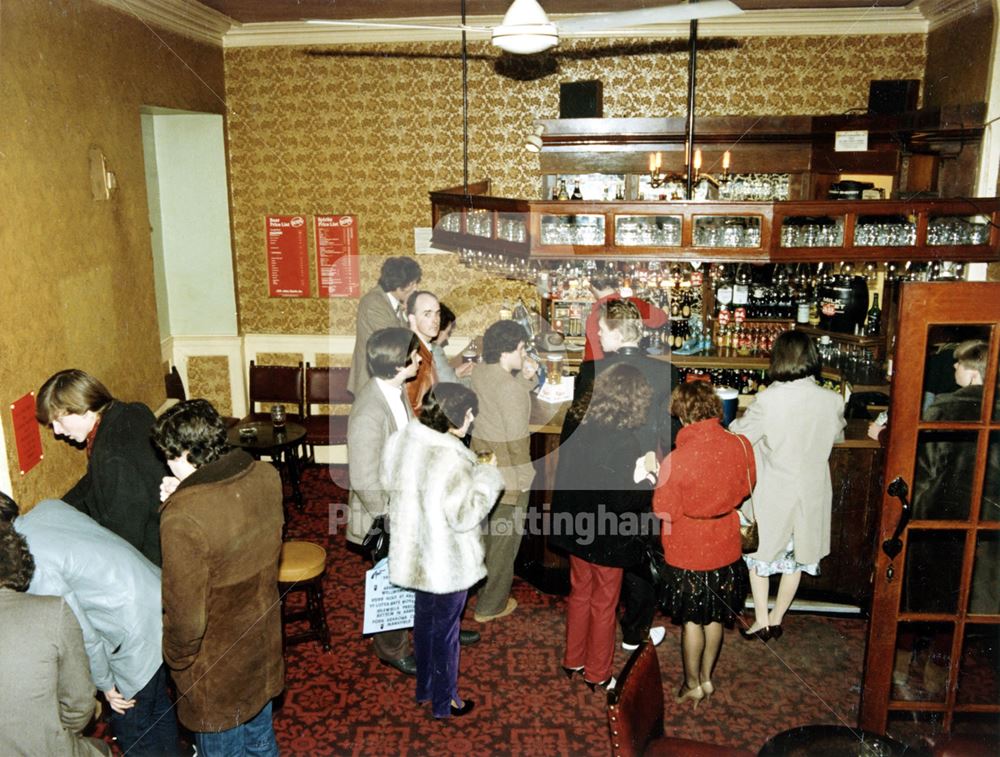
764	634
776	632
606	684
570	672
708	688
695	694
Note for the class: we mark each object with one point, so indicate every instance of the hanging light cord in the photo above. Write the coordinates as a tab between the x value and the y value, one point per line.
465	107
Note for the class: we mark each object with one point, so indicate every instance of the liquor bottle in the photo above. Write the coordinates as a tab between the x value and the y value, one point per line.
577	194
562	194
873	321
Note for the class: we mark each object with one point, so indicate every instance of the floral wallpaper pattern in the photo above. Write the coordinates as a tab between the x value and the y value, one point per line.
369	130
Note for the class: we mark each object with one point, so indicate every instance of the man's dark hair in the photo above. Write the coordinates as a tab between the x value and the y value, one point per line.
793	356
448	316
8	509
398	272
501	337
388	350
17	566
411	301
445	406
192	426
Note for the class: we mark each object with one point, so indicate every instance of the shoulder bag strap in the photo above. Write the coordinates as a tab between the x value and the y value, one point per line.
746	457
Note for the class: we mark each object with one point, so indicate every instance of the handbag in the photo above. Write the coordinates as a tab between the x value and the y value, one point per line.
376	541
749	534
656	567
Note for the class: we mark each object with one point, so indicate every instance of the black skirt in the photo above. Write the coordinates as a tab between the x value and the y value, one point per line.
705	596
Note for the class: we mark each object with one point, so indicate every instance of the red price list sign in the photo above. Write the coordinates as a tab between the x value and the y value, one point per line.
287	256
26	433
337	256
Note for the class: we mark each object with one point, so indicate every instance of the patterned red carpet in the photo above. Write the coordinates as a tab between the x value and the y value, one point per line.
344	702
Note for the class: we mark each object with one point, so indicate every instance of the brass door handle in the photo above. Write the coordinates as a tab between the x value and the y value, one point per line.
898	488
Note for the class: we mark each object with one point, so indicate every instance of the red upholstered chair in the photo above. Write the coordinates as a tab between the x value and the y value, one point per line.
275	384
635	714
325	386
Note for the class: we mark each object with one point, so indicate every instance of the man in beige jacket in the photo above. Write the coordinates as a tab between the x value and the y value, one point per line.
502	428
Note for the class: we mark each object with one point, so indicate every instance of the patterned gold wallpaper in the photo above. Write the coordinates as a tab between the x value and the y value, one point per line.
369	130
208	378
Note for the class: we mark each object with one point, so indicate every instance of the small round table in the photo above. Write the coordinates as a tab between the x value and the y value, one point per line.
280	444
831	741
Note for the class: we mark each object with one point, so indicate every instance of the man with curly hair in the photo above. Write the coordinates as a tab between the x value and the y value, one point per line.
49	698
220	531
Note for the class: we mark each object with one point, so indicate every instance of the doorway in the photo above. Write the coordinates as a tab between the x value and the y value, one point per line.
933	657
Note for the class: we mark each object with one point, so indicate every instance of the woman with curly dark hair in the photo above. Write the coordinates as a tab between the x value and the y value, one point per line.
702	483
602	493
438	497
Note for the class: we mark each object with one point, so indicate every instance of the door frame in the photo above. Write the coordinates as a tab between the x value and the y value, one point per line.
960	303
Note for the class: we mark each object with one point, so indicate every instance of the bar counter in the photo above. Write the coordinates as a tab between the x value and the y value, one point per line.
846	574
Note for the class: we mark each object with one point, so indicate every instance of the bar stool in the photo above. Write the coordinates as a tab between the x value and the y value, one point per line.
301	568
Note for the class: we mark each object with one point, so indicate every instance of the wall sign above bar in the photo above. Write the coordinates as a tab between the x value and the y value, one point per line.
851	141
337	272
287	256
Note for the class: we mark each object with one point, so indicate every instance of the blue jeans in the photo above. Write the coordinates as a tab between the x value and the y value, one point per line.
256	737
149	728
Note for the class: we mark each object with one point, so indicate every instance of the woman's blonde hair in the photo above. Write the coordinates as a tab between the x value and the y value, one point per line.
70	392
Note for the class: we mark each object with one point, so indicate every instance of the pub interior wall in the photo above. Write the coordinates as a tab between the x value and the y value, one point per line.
958	60
78	288
369	130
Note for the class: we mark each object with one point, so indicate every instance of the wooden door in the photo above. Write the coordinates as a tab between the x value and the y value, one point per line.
932	663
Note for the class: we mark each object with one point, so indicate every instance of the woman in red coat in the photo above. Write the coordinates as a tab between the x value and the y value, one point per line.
702	483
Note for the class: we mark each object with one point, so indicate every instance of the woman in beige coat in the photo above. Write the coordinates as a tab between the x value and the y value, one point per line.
793	426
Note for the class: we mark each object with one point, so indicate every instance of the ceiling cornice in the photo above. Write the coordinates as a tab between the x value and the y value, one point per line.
943	12
839	22
196	21
185	17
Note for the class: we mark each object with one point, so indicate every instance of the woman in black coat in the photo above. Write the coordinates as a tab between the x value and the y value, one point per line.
600	510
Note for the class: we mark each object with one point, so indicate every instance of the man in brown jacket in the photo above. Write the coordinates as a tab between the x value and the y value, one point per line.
220	529
502	428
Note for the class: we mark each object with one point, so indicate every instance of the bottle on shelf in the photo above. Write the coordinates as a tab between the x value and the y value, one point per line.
561	193
577	194
873	321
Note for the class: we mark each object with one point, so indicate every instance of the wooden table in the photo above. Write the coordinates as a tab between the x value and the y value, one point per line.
279	444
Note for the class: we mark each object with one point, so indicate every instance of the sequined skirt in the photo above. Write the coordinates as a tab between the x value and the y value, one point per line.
705	596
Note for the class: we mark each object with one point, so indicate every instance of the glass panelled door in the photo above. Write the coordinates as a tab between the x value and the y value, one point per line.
933	659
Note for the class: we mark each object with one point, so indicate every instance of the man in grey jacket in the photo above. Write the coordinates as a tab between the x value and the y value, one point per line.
114	592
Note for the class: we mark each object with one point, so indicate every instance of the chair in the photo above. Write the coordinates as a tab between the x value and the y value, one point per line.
635	714
325	386
301	569
174	385
175	391
275	384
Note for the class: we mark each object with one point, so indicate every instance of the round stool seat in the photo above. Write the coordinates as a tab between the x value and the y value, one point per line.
300	561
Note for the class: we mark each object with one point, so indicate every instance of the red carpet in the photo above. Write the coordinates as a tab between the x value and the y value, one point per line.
345	703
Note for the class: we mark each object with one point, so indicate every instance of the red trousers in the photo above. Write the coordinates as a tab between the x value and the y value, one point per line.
591	618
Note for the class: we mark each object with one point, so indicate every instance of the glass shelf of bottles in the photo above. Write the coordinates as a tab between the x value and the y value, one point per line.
647	231
726	231
582	229
511	227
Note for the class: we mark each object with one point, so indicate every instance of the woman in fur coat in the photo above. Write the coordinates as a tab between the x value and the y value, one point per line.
438	497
